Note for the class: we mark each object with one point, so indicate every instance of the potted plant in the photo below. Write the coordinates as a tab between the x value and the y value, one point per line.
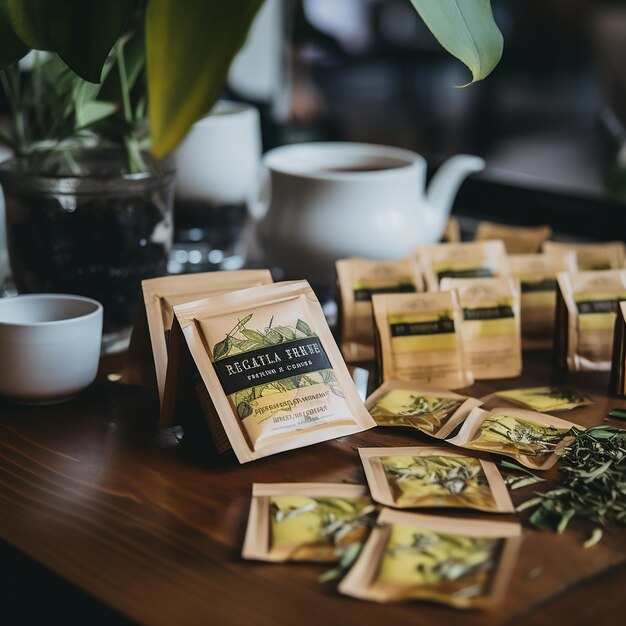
89	193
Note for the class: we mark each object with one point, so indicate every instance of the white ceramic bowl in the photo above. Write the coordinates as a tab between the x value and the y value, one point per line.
49	346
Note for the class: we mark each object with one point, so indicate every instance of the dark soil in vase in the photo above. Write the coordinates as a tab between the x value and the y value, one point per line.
100	247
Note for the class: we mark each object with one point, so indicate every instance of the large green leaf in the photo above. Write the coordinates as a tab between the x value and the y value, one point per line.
12	48
189	48
81	32
467	30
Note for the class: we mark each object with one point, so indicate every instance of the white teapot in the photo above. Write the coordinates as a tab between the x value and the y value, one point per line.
335	200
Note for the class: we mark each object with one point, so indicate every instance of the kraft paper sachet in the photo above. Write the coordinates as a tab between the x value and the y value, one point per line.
269	372
545	399
435	412
419	339
452	231
147	352
516	239
464	563
537	275
474	259
607	255
617	384
585	319
419	477
532	439
491	327
306	521
358	280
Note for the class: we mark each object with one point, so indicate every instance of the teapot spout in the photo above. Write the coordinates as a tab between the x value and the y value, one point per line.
445	184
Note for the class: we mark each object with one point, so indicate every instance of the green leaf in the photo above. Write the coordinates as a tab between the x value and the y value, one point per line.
12	48
253	335
93	112
221	349
81	32
467	30
304	328
189	48
244	410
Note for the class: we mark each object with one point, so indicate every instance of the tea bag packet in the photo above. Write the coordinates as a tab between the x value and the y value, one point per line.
532	439
452	231
516	239
358	280
545	399
435	412
585	318
306	521
491	326
434	477
418	339
147	352
537	276
270	372
464	563
608	255
617	383
476	259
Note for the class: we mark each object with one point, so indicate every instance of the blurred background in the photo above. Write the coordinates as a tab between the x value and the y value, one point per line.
549	120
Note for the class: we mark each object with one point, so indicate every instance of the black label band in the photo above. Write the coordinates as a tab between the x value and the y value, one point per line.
589	307
435	327
488	313
364	294
547	284
270	364
472	272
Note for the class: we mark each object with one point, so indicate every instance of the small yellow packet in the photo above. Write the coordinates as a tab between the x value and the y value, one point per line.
418	477
532	439
545	399
313	522
435	412
464	563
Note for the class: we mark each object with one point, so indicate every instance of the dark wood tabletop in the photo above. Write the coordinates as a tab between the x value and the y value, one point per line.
104	519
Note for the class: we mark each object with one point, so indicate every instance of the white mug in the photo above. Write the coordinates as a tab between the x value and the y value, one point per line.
219	160
333	200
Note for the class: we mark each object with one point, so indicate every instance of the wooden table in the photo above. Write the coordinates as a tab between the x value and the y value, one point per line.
117	522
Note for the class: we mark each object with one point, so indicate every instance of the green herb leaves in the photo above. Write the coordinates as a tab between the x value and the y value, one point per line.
593	486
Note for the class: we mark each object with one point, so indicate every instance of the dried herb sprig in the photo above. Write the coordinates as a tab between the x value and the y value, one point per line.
593	488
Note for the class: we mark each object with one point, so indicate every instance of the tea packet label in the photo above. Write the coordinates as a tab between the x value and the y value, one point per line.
586	309
417	477
419	339
545	399
537	275
476	259
269	370
491	325
148	350
608	255
435	412
358	280
617	383
516	239
532	439
306	521
459	562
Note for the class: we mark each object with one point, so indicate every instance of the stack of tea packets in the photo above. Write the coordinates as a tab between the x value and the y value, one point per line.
254	360
457	312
